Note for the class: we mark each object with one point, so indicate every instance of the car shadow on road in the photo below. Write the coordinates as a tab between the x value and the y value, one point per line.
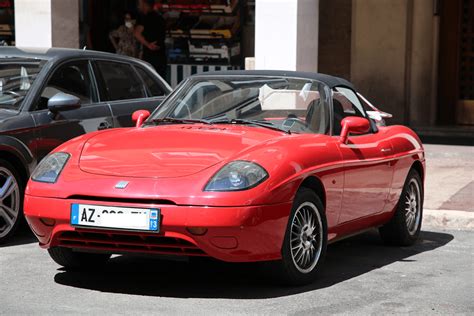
212	279
23	236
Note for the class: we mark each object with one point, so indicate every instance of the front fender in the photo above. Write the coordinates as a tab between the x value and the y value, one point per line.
18	149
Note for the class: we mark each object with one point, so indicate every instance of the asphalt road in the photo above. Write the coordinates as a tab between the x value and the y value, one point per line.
361	276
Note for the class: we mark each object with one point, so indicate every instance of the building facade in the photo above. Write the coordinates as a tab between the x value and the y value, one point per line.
412	58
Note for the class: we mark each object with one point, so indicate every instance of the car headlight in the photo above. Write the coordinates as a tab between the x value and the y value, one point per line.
50	168
237	176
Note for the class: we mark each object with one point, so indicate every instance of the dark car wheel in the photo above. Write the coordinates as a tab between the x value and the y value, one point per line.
70	259
404	228
305	243
11	198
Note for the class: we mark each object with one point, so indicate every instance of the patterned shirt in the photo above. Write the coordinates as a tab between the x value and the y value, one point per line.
127	44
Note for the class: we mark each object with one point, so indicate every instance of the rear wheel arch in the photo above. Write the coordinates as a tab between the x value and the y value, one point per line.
418	167
316	185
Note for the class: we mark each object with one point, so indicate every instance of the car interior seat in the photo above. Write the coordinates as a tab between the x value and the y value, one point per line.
316	117
338	116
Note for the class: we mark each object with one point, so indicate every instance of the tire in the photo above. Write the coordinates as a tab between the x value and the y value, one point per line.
303	249
404	227
70	259
11	200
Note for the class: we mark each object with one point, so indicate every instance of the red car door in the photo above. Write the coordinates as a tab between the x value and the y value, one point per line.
367	167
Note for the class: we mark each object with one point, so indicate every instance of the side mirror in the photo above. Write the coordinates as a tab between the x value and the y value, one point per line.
139	117
353	125
63	102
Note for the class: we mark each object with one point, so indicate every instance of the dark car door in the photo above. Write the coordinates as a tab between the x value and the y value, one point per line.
75	78
128	88
367	167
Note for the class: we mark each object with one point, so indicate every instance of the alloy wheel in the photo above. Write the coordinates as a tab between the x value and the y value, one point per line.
413	206
306	237
9	201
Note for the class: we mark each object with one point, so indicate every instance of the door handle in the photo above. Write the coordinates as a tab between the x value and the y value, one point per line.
386	150
104	125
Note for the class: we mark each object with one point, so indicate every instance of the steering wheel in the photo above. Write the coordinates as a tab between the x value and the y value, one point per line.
290	122
12	93
186	108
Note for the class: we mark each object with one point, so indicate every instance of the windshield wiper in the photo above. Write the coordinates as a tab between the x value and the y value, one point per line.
261	123
179	120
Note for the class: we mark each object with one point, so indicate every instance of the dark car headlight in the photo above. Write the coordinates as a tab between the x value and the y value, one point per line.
236	176
50	168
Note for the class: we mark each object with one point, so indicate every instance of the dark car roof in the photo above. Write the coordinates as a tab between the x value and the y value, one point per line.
331	81
55	53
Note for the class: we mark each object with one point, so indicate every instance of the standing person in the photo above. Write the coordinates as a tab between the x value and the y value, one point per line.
150	32
123	38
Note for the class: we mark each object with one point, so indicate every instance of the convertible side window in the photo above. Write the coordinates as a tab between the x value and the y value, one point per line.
345	103
72	78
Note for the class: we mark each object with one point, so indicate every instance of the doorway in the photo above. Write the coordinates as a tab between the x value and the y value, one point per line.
456	66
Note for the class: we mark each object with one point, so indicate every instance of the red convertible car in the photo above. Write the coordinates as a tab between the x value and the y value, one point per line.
239	166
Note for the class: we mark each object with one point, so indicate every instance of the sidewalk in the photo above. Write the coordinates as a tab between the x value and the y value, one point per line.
449	186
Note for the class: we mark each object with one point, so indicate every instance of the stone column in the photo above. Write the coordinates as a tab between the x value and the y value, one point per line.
47	23
286	34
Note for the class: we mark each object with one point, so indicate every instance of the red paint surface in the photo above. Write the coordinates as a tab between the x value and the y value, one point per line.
168	166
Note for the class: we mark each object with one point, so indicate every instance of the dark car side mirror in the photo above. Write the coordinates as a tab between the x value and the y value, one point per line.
63	102
353	125
139	117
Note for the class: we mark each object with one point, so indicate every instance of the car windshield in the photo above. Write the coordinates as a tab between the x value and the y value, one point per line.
16	77
290	104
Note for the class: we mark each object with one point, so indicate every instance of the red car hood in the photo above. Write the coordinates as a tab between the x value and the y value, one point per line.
166	151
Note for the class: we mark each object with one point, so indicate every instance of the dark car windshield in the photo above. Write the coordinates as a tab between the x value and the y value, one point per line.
16	77
290	104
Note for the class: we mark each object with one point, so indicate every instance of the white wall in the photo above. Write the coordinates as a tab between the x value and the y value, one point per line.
275	34
286	34
33	23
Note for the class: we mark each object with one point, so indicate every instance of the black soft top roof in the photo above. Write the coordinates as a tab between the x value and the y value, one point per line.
331	81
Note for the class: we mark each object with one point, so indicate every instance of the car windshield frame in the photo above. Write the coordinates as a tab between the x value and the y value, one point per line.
317	87
15	87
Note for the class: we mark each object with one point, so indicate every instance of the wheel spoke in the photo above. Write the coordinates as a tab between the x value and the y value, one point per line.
298	225
299	255
296	247
8	187
303	216
412	191
9	211
300	219
308	257
4	214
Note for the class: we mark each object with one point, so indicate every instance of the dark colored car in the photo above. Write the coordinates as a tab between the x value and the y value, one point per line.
50	96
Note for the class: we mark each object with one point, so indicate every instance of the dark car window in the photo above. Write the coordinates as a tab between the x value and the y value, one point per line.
345	103
151	84
73	78
120	81
16	77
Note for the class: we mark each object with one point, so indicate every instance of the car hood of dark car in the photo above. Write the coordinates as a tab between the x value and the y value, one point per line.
7	113
167	151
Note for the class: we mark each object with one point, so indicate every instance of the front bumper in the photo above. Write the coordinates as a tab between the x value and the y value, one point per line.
234	234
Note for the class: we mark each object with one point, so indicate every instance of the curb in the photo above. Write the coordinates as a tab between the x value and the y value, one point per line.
449	219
